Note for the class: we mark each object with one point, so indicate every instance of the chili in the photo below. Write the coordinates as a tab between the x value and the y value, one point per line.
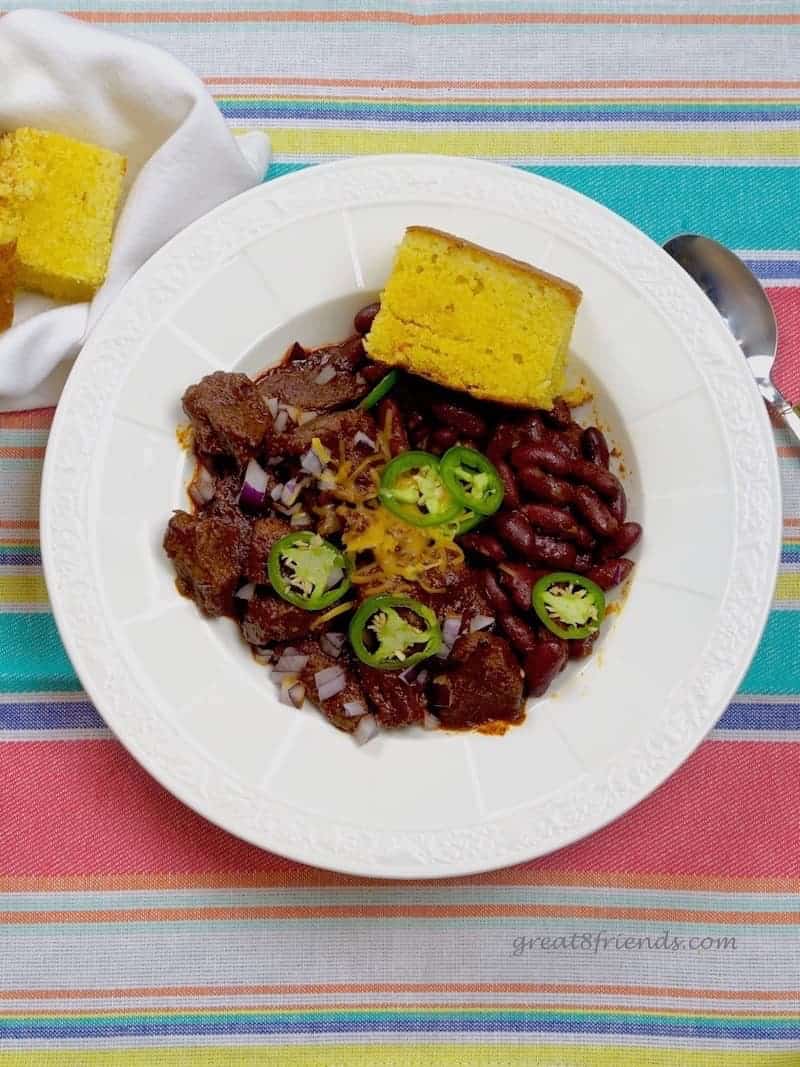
384	638
412	488
308	571
569	605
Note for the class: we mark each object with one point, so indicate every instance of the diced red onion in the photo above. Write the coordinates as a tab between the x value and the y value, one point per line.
332	644
365	731
276	491
363	439
481	622
326	375
409	675
353	708
291	491
291	662
451	629
272	405
430	722
422	677
254	486
202	487
281	421
329	682
293	694
247	592
334	578
291	411
311	463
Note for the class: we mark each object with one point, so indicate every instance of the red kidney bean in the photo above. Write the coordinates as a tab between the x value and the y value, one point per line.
510	491
520	634
552	552
497	597
559	416
619	545
557	521
542	664
541	456
419	436
573	435
583	561
594	446
504	438
558	443
618	504
581	647
596	477
460	418
442	439
484	546
589	504
518	579
389	411
533	429
516	531
373	372
544	486
364	318
612	572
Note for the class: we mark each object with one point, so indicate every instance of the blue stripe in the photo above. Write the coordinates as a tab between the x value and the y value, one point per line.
775	268
665	200
457	1022
760	716
61	715
32	658
17	557
428	114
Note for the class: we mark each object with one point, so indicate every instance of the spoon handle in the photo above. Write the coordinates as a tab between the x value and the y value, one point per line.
790	417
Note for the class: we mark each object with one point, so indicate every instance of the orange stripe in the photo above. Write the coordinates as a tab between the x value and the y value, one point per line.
485	18
789	452
403	83
19	524
21	452
292	875
35	419
398	987
381	911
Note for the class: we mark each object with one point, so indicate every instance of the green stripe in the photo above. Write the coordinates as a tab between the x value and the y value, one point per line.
776	666
665	200
33	658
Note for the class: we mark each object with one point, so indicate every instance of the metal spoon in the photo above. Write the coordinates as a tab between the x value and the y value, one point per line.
737	295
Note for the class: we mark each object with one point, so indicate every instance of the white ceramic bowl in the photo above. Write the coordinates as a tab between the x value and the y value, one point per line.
292	260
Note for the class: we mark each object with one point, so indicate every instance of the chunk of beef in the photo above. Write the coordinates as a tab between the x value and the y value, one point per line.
461	591
330	429
229	416
484	682
333	707
397	703
268	619
209	554
265	533
325	379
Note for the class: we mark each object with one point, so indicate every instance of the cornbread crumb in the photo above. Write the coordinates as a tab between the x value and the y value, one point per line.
474	320
581	394
64	196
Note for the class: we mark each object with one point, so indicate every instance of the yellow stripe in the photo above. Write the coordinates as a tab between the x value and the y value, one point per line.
788	586
488	1055
23	589
702	144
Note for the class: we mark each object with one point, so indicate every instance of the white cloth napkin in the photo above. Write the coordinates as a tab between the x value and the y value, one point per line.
59	74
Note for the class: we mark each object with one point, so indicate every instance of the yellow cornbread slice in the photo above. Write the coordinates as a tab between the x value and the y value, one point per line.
474	320
64	196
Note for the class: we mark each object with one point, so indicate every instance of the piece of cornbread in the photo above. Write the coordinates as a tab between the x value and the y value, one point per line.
8	282
64	194
474	320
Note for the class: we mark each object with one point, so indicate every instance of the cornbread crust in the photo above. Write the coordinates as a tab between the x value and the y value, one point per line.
475	320
8	282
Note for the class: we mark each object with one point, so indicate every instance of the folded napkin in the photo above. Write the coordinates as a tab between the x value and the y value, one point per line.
61	75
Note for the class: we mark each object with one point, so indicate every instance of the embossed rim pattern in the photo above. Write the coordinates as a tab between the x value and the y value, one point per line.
588	802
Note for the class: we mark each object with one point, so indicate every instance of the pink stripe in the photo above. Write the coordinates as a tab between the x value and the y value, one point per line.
87	808
786	304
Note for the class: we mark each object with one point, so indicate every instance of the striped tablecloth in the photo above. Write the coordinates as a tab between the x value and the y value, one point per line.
131	931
